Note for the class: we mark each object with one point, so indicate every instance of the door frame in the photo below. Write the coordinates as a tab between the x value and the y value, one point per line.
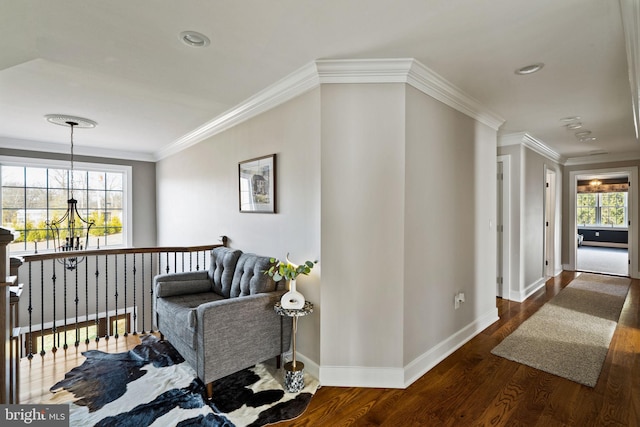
632	214
504	290
549	222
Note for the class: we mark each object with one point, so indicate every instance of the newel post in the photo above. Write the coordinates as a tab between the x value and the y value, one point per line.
6	237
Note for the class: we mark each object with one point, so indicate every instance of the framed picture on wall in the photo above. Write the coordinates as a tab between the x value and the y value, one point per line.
257	184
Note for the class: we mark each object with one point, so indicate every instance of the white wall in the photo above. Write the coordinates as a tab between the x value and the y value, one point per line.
363	192
450	236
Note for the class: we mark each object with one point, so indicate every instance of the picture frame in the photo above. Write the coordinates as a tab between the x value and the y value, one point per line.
257	185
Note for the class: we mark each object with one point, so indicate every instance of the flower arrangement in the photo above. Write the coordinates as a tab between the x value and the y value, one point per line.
288	270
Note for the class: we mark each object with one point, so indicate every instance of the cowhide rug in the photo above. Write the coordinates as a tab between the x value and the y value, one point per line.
152	385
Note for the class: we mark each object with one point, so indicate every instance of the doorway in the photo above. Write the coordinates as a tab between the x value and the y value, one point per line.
603	215
602	220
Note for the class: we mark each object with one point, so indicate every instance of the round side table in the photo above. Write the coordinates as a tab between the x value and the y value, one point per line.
294	370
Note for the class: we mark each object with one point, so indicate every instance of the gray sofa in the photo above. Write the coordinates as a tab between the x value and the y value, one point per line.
222	320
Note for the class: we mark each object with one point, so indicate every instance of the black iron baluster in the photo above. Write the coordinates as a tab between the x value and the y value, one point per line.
77	301
135	307
30	310
54	330
97	320
151	289
175	262
116	335
42	352
106	297
127	325
197	261
167	262
64	302
142	294
86	301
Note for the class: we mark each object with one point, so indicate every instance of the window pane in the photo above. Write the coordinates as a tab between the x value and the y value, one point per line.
58	178
96	200
13	176
58	199
114	181
36	198
114	200
79	180
36	177
13	197
96	180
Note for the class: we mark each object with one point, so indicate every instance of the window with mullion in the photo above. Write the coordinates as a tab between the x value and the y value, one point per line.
33	195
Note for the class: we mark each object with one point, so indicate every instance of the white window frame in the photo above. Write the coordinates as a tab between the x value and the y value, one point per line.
127	199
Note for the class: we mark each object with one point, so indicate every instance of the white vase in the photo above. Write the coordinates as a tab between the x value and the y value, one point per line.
292	300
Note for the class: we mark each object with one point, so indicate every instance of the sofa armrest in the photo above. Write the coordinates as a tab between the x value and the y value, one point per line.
236	333
167	285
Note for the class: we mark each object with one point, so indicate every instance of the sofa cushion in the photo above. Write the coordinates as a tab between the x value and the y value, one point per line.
179	314
223	264
249	277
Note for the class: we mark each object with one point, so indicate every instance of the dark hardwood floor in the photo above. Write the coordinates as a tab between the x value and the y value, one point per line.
472	387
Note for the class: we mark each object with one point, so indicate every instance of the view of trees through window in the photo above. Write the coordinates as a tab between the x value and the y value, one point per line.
31	196
608	209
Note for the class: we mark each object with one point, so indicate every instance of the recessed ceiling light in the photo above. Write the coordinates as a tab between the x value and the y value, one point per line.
588	139
583	133
570	119
574	126
194	39
529	69
63	120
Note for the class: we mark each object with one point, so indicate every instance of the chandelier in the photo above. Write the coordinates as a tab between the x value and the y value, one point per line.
71	231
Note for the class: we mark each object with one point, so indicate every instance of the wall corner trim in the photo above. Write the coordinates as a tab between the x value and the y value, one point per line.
341	71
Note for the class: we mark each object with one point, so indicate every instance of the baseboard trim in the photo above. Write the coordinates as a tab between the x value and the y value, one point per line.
359	376
400	378
528	291
424	363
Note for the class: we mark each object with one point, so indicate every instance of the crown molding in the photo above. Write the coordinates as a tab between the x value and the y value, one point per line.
342	71
295	84
630	11
79	150
523	138
602	158
434	85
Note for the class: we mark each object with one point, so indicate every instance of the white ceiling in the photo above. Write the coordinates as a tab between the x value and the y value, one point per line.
121	63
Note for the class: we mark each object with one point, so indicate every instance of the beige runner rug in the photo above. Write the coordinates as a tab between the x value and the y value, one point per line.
570	335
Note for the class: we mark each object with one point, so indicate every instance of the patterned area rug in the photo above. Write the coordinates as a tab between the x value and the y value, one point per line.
570	335
152	385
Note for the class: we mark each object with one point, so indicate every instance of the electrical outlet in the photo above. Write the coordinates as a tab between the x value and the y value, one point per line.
457	299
